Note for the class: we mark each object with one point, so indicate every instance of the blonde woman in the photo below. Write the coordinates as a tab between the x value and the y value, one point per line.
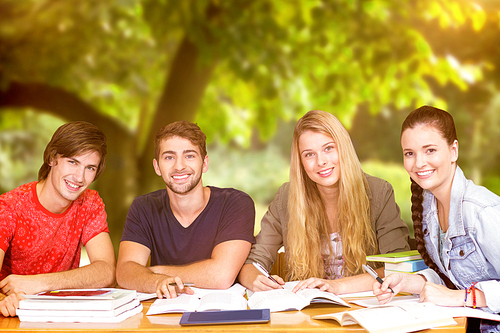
329	217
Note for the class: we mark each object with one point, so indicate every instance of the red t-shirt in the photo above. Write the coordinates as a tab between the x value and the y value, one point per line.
37	241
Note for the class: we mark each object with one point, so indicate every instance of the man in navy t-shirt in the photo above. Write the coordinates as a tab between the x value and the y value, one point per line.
201	234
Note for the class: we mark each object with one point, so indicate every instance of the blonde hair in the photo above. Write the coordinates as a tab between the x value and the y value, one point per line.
308	224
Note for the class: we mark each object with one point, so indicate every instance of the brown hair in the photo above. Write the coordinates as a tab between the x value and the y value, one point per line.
185	130
73	139
442	121
308	223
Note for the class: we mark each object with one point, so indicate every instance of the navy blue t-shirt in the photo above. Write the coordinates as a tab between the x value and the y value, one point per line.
229	215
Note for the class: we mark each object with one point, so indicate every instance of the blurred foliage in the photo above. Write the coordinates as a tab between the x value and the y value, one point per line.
99	49
281	58
275	59
245	72
257	173
23	137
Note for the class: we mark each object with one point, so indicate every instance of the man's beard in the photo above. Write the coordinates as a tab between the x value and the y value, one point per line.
184	188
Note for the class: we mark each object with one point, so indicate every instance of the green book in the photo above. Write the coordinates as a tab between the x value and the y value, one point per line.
395	257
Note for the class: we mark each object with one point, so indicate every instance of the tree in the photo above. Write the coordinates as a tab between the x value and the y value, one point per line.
473	50
133	66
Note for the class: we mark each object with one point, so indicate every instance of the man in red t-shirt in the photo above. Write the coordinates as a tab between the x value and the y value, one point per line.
44	223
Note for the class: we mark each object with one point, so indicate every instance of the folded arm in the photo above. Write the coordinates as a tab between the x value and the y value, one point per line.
218	272
132	273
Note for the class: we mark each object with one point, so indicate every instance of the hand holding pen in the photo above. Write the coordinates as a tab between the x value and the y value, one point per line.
261	269
168	287
186	284
374	275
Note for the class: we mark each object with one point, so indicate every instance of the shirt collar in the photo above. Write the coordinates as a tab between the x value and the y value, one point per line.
456	223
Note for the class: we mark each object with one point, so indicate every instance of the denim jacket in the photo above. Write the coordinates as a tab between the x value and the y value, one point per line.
471	249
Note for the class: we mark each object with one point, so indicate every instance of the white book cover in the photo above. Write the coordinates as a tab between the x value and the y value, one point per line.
79	313
82	319
109	301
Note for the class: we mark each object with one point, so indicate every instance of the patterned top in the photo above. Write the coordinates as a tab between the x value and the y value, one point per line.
333	265
36	241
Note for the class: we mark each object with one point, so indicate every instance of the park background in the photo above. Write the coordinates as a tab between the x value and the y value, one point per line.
245	71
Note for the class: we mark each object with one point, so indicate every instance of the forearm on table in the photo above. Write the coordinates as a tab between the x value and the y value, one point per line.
98	274
209	273
247	275
132	275
353	284
480	299
413	283
217	272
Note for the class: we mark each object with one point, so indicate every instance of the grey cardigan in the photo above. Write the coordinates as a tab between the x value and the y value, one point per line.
391	232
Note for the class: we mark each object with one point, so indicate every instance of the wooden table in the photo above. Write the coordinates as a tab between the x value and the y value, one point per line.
292	321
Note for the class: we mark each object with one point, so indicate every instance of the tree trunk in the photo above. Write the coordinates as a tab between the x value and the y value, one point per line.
180	99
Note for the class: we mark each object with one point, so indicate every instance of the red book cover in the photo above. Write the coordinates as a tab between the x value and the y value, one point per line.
74	293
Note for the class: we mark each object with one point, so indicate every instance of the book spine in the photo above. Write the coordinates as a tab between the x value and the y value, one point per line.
80	312
408	266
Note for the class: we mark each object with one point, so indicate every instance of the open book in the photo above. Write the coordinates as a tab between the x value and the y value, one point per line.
202	300
190	303
401	318
286	300
452	311
233	299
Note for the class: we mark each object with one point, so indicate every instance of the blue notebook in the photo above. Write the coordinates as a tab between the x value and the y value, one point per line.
406	266
226	317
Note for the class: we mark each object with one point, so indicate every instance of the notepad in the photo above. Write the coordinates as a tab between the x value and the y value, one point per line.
395	257
409	266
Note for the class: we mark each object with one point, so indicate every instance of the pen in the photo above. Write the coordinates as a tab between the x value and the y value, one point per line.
374	275
266	273
186	284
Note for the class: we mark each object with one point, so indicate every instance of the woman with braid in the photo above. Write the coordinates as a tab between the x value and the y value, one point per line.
329	217
457	223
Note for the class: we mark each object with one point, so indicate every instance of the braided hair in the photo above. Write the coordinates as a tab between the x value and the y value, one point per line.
417	209
443	121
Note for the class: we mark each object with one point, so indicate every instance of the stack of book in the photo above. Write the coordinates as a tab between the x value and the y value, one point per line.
400	262
80	305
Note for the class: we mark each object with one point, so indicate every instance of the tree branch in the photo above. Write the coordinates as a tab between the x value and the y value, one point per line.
53	100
